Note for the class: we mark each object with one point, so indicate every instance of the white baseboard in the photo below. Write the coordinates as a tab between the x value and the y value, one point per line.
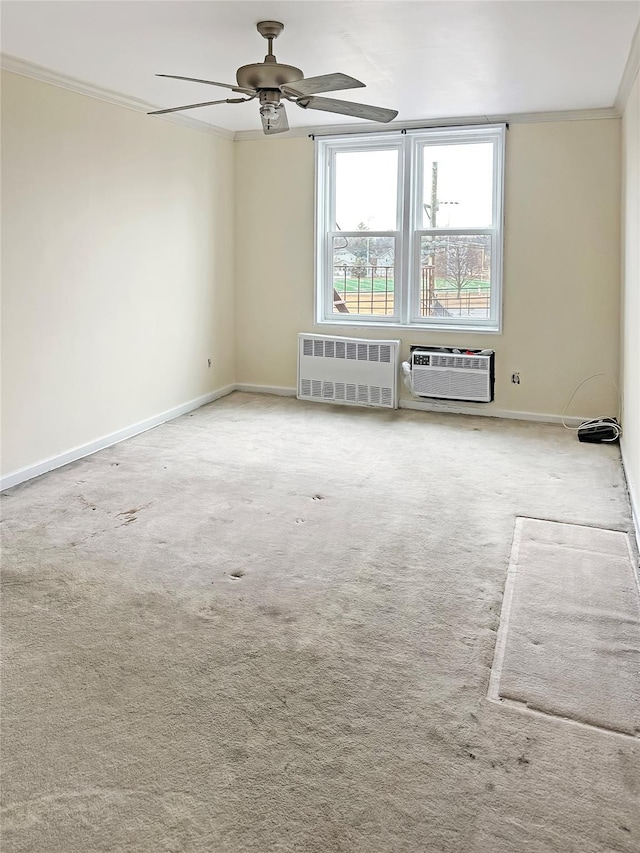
633	500
435	406
31	471
24	474
455	409
279	390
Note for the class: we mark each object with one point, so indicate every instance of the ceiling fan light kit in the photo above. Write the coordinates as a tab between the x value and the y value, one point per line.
272	82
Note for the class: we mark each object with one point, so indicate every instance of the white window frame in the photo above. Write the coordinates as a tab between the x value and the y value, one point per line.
409	144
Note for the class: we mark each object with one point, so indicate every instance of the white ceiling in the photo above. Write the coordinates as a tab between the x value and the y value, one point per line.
426	59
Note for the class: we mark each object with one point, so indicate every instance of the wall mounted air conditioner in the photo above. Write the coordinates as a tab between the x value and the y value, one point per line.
351	371
449	375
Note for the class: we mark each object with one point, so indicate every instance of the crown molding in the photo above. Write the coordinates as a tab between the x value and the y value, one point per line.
630	73
368	127
24	68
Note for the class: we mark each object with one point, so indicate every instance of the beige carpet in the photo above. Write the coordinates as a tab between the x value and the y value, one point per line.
269	626
569	638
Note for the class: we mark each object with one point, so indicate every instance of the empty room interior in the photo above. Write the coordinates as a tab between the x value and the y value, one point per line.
320	426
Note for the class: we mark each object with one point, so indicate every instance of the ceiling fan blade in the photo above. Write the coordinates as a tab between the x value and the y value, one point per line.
279	126
210	83
324	83
347	108
193	106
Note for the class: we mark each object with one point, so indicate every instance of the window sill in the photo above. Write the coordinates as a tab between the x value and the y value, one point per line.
412	327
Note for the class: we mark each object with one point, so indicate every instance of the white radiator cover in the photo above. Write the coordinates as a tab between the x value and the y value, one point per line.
450	376
349	371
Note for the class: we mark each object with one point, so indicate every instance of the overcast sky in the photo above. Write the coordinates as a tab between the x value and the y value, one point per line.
366	187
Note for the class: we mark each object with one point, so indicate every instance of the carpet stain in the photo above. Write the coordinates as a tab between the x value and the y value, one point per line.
276	613
207	611
132	512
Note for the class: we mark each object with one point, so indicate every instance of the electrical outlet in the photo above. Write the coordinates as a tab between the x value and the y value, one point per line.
515	378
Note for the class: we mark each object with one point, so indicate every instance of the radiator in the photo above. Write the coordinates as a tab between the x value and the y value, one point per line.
350	371
452	376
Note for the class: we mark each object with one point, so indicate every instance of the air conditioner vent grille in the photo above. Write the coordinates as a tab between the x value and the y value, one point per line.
368	395
347	370
444	383
351	350
467	362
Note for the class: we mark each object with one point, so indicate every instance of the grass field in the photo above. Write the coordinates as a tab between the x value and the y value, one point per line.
373	298
377	285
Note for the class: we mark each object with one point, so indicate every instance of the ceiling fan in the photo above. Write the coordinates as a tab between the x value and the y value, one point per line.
272	82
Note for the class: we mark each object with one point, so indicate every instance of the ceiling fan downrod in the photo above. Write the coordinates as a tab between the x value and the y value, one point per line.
270	30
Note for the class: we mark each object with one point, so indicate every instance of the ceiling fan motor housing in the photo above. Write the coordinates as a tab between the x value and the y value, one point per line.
267	75
270	96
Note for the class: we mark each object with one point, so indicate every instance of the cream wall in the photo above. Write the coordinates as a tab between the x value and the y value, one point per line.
120	277
117	268
631	295
561	287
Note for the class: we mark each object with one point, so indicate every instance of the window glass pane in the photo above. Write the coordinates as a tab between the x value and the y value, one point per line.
457	186
363	275
366	190
455	276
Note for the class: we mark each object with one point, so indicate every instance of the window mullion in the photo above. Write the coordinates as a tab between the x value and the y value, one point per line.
405	254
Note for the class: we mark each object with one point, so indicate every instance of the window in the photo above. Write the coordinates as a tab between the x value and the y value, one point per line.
409	228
